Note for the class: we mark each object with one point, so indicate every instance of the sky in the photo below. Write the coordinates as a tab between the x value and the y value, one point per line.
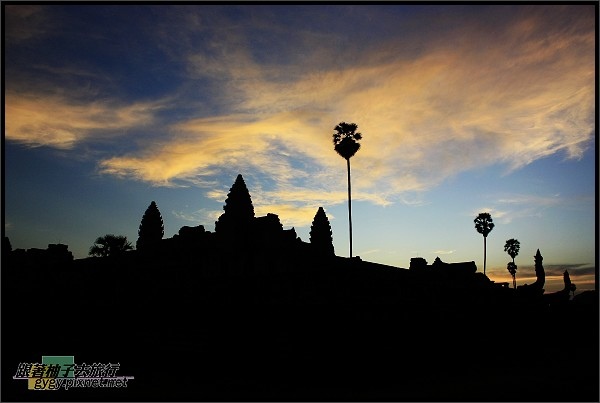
463	109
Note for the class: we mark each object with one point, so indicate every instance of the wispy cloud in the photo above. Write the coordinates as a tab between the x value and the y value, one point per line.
369	252
25	21
444	252
452	100
197	217
497	215
57	121
511	207
580	269
582	275
423	119
542	201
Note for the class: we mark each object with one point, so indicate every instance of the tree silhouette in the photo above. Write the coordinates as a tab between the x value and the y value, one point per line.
320	233
345	141
110	245
151	228
512	247
238	208
484	225
512	269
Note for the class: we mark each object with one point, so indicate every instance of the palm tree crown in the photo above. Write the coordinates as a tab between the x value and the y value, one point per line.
345	139
512	247
484	224
110	245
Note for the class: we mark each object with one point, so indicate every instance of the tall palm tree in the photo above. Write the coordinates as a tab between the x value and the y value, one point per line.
345	141
484	225
512	247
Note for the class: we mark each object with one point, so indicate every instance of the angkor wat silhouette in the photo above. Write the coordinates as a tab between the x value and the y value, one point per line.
251	312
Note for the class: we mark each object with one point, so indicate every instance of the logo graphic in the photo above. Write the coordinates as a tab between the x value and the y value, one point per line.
56	372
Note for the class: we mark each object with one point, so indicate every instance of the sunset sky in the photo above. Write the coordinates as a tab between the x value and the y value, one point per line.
463	109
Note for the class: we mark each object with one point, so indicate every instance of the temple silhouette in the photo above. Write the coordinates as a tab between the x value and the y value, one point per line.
252	312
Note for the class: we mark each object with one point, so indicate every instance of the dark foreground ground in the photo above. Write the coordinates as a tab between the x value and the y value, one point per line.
257	339
308	353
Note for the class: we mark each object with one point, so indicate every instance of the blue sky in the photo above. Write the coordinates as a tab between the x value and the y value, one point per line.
463	109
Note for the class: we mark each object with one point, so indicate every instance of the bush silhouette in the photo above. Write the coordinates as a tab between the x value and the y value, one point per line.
110	245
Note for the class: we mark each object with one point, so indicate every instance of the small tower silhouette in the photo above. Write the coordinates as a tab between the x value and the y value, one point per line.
239	211
151	228
540	274
569	286
320	233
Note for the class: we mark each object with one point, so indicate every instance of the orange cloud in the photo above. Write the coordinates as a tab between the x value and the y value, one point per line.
466	100
52	120
423	120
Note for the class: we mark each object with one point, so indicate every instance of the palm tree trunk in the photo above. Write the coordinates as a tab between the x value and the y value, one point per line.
349	206
484	257
514	276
